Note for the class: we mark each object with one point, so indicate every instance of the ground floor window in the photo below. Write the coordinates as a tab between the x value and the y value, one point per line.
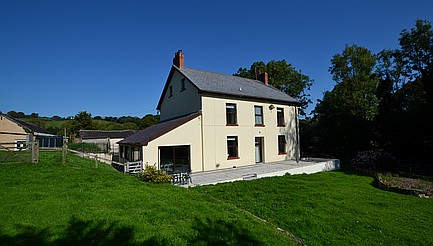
175	159
282	145
20	144
232	147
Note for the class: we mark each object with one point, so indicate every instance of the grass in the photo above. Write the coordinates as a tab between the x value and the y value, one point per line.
333	208
78	204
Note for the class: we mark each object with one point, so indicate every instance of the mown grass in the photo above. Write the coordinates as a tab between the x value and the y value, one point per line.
333	208
78	204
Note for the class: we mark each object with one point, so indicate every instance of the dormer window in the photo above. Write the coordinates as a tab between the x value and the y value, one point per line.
182	85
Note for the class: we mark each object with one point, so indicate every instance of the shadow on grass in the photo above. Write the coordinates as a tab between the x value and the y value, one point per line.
78	232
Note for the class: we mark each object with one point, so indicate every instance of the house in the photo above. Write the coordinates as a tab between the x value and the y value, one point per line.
106	140
212	121
15	134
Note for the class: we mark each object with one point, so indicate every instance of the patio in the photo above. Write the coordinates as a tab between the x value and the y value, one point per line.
261	170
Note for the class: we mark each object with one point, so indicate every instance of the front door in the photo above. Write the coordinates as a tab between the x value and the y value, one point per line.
259	149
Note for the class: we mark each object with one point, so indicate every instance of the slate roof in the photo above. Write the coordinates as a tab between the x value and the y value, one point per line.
28	126
152	132
95	134
224	84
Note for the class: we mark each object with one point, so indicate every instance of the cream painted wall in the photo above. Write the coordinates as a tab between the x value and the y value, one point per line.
215	132
182	102
10	131
186	134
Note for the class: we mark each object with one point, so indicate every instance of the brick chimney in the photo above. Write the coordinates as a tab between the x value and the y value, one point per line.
264	78
179	59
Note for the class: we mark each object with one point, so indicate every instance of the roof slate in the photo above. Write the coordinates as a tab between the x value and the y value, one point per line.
152	132
95	134
234	85
29	126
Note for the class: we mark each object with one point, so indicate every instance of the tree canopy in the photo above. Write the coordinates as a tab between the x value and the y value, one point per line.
379	100
284	77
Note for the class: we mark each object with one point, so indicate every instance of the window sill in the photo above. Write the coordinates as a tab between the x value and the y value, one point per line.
281	125
232	157
259	125
282	153
232	125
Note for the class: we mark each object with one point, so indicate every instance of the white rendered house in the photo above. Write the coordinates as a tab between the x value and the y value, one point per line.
212	121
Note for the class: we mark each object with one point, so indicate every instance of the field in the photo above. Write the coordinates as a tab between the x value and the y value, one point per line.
78	204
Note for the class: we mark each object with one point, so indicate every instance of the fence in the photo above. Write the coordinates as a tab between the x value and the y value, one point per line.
133	167
19	152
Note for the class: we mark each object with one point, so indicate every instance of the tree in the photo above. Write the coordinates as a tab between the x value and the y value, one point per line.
284	77
82	121
148	120
345	115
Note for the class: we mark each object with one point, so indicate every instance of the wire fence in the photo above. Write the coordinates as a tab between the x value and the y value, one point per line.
19	152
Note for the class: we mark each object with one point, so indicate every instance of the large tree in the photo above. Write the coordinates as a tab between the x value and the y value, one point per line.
284	77
345	114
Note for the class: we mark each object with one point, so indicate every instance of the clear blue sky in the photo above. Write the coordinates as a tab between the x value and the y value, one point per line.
112	58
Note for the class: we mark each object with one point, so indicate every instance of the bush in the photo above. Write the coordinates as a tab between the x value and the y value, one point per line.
375	160
153	175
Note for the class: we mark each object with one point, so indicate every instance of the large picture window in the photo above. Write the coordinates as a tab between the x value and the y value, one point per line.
280	117
282	145
258	115
175	159
231	115
232	148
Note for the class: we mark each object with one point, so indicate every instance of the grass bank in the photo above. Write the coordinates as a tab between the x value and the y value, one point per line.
333	208
77	204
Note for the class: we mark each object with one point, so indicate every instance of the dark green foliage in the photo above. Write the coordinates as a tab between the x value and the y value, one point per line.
376	160
282	76
82	121
153	175
379	101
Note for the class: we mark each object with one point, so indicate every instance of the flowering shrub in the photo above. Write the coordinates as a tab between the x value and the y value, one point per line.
153	175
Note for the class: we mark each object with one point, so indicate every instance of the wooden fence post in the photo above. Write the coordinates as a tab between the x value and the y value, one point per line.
35	152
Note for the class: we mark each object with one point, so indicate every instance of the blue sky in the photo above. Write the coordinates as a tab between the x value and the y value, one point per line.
112	58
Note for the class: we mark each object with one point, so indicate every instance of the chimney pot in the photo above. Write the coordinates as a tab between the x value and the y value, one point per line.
264	78
179	59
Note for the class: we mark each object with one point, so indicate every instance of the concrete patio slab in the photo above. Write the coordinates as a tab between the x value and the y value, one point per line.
261	170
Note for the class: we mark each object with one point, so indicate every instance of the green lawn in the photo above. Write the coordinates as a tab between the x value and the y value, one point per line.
77	204
333	208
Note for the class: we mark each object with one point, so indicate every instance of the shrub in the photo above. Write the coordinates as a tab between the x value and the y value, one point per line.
153	175
375	160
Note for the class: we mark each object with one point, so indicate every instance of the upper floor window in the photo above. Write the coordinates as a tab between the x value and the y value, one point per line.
258	115
170	91
231	115
232	148
182	85
282	145
280	117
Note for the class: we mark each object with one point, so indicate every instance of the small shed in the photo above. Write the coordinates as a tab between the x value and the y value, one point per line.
106	140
